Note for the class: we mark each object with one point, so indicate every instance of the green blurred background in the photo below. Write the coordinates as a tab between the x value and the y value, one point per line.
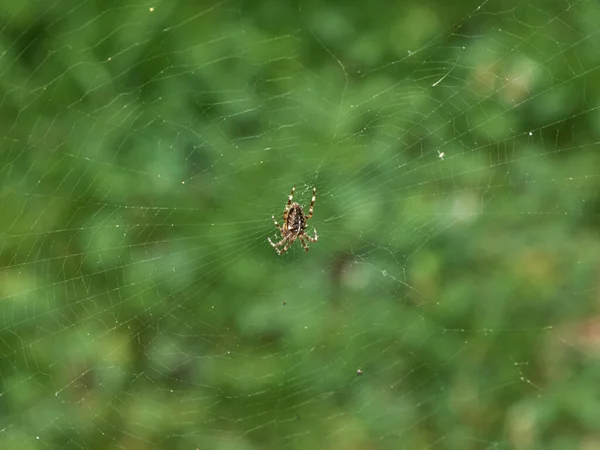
452	300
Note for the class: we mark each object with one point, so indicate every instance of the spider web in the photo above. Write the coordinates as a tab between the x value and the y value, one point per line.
451	300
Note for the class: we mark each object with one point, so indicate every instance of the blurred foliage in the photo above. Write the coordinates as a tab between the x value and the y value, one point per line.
452	299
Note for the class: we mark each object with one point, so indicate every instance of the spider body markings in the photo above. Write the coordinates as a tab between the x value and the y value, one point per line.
294	224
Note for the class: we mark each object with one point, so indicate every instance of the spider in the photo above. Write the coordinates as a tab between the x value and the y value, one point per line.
294	224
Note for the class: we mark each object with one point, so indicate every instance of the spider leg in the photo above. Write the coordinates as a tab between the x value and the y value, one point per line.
303	242
312	203
287	207
312	239
278	244
284	249
276	224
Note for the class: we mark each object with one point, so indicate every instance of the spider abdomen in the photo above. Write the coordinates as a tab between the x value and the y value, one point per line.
296	221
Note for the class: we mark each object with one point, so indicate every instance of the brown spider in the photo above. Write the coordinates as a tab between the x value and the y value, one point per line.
294	224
